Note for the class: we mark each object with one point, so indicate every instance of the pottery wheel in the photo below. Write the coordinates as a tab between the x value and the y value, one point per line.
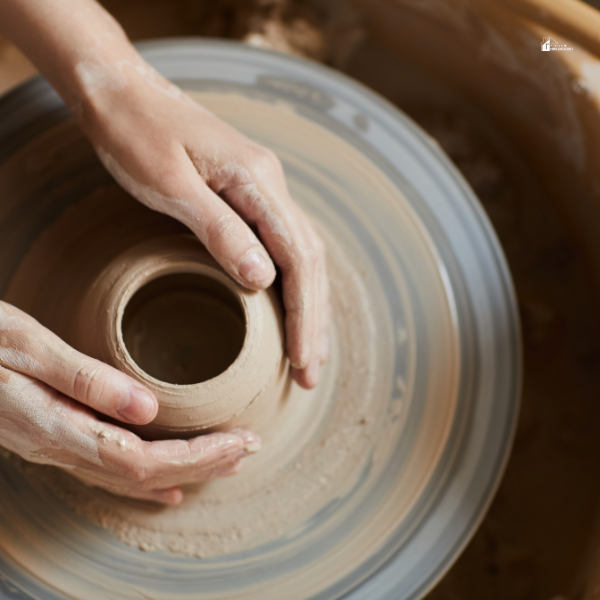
367	487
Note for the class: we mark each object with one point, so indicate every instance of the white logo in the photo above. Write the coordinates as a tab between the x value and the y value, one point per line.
551	44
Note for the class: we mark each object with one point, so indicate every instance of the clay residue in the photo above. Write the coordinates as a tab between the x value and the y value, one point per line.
539	525
329	447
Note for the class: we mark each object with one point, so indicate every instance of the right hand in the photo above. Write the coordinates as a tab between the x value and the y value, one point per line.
47	391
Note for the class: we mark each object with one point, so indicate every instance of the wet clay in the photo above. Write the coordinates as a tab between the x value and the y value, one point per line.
319	444
549	497
159	308
183	329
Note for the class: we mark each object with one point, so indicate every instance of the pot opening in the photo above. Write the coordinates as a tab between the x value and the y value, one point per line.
184	328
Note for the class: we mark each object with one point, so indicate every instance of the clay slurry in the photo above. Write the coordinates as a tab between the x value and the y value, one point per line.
184	328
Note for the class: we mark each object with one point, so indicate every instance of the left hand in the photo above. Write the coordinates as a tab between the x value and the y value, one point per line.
48	395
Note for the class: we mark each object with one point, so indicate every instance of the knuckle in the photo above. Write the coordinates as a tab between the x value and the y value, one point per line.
87	383
136	473
222	226
147	485
19	351
170	178
306	261
12	330
264	162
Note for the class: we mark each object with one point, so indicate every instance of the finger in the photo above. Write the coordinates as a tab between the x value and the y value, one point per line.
29	348
228	471
252	442
200	452
42	425
171	496
309	376
325	311
138	469
226	236
301	279
141	466
262	198
255	188
167	463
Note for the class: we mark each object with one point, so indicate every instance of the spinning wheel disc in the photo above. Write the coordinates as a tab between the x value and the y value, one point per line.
401	446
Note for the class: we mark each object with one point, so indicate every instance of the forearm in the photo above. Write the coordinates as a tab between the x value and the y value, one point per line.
75	44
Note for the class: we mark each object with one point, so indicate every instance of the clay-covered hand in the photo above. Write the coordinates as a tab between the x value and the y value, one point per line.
47	393
179	159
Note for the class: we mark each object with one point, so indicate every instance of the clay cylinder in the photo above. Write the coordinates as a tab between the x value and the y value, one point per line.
167	314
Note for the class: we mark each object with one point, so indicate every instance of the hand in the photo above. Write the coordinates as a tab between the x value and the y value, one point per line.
179	159
47	391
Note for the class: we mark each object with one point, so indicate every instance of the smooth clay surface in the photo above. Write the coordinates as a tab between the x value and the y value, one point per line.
335	446
159	308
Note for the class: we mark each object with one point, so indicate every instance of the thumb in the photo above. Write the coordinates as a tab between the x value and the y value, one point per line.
31	349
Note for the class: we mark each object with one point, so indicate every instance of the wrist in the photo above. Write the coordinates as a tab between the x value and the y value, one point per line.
75	44
98	79
121	86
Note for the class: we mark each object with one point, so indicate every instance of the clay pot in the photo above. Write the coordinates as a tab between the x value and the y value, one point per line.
168	315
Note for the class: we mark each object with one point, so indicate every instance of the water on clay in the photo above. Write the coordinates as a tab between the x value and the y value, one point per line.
551	476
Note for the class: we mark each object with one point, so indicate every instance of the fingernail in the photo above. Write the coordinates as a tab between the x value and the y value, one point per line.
173	496
252	448
248	449
256	268
137	406
312	374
